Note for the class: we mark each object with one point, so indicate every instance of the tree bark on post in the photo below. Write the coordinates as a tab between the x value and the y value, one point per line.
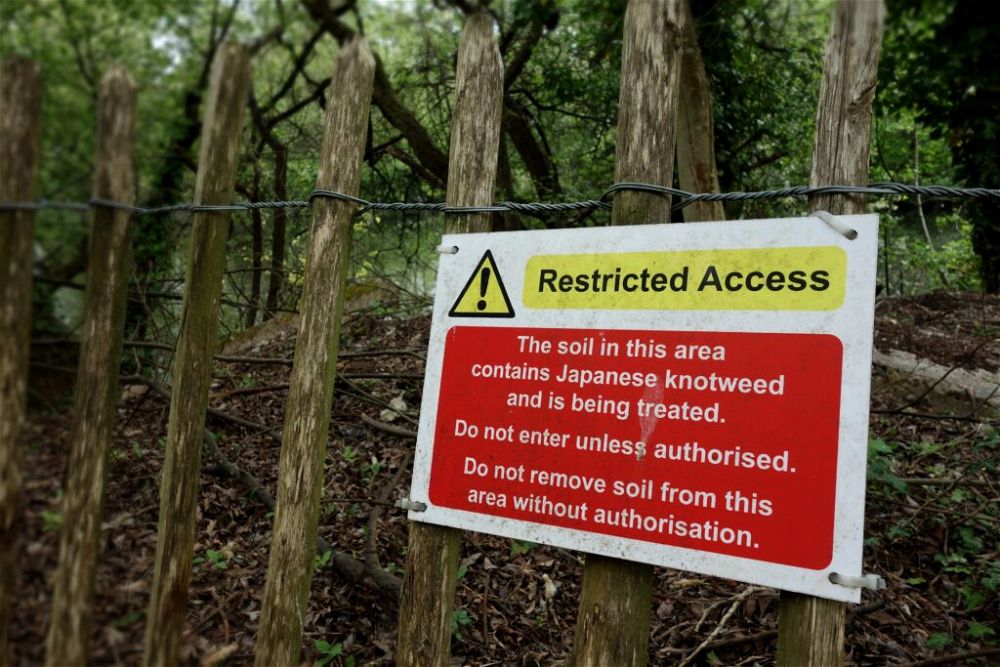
310	393
192	370
96	395
811	629
613	623
696	166
20	134
428	596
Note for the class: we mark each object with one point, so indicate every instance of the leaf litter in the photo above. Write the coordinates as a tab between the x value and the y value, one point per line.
932	522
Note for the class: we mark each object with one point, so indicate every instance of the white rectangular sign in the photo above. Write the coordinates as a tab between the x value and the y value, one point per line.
687	395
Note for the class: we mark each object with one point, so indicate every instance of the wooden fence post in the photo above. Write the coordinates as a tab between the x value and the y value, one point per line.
428	596
192	370
696	167
811	629
96	395
20	135
613	622
310	393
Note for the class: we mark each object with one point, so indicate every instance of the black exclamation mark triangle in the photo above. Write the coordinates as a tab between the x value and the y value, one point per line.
484	294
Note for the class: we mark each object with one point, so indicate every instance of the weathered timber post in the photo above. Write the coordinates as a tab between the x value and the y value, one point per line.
310	393
810	629
612	627
432	559
20	135
192	370
696	167
96	397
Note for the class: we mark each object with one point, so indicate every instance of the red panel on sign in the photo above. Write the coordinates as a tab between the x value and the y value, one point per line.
719	442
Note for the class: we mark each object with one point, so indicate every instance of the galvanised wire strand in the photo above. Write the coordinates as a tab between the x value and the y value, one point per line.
683	198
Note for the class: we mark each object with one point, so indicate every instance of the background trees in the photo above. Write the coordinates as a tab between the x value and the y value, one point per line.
936	118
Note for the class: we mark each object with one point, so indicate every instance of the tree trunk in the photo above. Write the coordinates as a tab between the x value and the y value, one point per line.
279	223
192	370
310	394
696	167
96	395
810	629
20	134
257	249
507	221
432	559
613	623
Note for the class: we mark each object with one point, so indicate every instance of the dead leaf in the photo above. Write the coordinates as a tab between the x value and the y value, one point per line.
396	406
219	655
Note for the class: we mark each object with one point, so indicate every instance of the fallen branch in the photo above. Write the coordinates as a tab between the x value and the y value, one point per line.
228	358
736	600
371	398
388	428
942	481
215	412
927	415
371	553
771	634
343	564
953	658
980	384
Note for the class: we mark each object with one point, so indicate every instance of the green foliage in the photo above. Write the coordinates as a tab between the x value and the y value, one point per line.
763	60
880	466
216	558
518	547
909	264
349	454
51	521
322	560
459	619
762	57
328	652
957	513
941	62
128	619
370	470
978	630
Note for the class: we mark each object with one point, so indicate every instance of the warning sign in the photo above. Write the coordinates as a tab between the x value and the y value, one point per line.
810	278
578	428
484	295
694	396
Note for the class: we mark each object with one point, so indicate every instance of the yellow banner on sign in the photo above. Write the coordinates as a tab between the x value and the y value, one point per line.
801	278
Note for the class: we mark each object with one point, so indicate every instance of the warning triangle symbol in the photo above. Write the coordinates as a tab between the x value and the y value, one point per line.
484	295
